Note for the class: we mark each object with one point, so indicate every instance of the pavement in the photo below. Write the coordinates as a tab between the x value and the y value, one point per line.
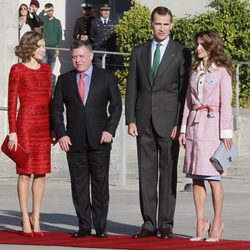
124	213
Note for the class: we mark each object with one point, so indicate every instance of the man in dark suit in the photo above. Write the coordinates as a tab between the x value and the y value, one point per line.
93	109
103	36
82	26
156	89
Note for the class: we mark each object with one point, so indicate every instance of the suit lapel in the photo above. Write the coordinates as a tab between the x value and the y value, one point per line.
167	58
146	59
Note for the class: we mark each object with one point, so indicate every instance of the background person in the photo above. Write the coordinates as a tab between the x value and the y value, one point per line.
23	23
82	25
207	122
93	109
103	36
155	96
35	22
52	31
30	83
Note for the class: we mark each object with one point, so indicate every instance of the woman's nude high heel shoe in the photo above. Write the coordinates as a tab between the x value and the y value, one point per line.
216	239
202	238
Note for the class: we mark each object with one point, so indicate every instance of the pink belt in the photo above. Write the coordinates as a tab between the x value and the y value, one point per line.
206	107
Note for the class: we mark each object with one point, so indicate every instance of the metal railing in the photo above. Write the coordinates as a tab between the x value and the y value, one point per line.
103	53
237	92
122	159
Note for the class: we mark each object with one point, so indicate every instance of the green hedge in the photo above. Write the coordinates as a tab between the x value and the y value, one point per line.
133	29
230	18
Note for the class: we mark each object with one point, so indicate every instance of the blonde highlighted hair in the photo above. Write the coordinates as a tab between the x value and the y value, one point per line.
28	45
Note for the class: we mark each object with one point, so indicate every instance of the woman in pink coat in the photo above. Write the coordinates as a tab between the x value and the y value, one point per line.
207	122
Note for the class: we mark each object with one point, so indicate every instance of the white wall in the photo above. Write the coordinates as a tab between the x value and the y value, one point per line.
179	8
8	41
66	11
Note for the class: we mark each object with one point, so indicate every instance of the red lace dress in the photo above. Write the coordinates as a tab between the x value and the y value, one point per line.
32	123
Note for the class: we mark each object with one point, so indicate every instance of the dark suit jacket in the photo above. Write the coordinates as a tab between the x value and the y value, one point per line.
82	26
103	36
162	99
101	112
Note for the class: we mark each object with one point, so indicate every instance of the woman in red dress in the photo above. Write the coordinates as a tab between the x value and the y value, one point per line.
30	83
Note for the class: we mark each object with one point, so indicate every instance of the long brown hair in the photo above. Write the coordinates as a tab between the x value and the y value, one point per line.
212	43
23	5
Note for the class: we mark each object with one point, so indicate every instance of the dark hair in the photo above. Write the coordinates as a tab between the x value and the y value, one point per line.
79	43
19	10
162	11
212	43
48	5
28	45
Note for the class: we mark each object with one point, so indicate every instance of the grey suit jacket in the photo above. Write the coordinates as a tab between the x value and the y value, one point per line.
162	99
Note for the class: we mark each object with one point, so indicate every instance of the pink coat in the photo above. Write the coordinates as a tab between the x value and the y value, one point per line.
203	129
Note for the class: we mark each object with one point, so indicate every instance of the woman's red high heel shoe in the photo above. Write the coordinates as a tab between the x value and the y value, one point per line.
26	234
35	233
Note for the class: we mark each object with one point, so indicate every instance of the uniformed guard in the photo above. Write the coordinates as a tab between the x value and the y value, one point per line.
82	26
102	34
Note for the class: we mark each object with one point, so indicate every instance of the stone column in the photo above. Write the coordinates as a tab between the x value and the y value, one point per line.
8	41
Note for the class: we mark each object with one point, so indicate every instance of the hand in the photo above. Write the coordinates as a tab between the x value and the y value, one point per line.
132	129
12	141
175	133
228	142
53	137
182	140
106	137
65	143
31	9
57	52
84	37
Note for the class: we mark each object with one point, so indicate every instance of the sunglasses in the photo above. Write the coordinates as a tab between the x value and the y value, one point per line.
23	8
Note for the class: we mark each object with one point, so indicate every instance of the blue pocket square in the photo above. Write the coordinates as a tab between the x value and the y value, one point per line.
222	157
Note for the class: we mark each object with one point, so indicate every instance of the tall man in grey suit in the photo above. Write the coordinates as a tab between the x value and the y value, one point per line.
93	109
156	89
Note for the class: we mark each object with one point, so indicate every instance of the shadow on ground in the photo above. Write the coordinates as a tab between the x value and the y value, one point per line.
60	223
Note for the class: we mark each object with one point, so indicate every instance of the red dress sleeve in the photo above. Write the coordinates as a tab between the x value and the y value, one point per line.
12	98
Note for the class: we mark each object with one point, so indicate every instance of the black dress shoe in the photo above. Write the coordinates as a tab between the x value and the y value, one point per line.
81	233
102	234
166	233
144	233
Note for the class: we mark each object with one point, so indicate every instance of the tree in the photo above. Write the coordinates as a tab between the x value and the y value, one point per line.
230	18
133	29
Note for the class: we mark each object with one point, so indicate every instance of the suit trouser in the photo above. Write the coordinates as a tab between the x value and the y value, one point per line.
85	166
155	154
51	60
